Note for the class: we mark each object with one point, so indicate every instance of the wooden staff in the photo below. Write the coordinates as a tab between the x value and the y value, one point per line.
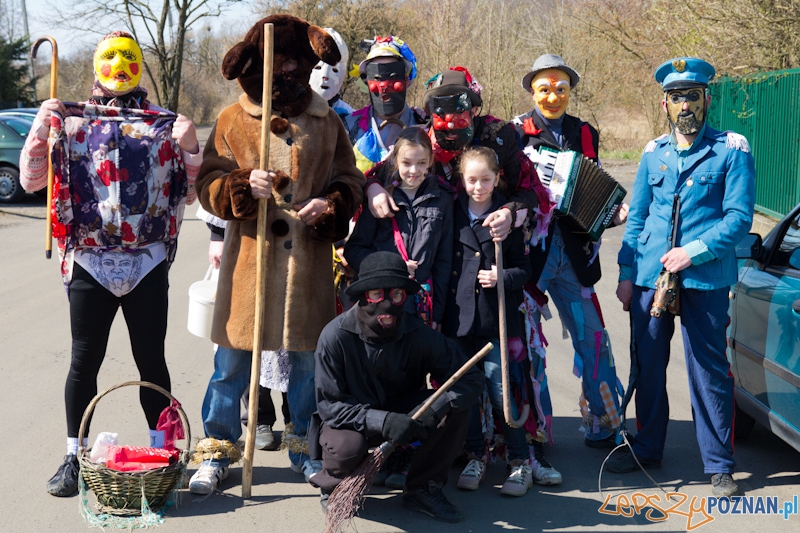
48	243
255	368
348	496
501	304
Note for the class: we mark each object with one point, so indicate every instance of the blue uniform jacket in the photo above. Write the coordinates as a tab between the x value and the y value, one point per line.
717	191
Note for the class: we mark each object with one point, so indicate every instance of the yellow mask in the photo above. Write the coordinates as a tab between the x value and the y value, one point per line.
551	90
686	109
118	64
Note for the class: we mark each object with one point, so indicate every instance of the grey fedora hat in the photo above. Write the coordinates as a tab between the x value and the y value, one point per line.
546	61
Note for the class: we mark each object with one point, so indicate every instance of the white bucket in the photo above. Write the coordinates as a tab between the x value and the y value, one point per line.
202	295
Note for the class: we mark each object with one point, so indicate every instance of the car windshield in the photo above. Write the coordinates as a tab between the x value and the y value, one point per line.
20	125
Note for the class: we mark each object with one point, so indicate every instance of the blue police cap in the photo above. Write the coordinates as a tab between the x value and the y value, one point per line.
684	72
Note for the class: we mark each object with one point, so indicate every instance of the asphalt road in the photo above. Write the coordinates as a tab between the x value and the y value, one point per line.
34	359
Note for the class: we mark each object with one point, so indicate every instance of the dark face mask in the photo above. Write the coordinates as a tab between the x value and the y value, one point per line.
287	88
374	319
452	121
387	87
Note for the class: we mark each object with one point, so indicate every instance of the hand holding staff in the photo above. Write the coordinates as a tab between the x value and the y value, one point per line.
255	368
48	243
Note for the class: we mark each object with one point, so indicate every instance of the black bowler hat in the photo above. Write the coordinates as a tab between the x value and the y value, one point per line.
449	82
382	270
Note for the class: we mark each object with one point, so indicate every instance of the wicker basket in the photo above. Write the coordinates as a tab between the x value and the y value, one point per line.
122	493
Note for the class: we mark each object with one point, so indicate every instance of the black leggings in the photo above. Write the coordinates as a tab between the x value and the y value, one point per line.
92	309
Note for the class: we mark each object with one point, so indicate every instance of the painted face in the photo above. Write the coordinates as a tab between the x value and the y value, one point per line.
379	313
479	182
387	85
452	121
550	89
326	80
118	64
117	269
686	109
412	163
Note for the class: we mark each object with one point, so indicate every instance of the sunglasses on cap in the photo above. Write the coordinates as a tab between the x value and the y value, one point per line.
376	296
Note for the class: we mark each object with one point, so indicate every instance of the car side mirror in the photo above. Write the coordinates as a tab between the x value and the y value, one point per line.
750	247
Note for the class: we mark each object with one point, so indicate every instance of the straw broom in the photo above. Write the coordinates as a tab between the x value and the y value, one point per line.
348	497
255	368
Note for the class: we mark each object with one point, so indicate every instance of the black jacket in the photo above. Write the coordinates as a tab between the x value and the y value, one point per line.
426	225
579	247
472	309
354	378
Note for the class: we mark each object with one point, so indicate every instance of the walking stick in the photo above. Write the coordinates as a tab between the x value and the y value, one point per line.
501	305
48	242
255	368
348	496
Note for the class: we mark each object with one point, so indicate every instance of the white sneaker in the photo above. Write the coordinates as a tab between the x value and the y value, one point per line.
309	469
543	471
207	477
520	480
472	475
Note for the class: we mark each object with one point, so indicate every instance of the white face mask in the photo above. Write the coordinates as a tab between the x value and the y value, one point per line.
326	80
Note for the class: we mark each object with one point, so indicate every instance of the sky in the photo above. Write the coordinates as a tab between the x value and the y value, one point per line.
40	23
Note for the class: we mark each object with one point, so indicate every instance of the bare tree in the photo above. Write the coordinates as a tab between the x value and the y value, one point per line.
159	26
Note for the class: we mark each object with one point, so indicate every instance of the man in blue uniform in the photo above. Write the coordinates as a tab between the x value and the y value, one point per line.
712	172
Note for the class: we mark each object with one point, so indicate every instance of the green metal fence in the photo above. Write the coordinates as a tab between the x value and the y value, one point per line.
765	108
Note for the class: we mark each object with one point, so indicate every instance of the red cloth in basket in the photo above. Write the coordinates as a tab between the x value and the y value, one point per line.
132	458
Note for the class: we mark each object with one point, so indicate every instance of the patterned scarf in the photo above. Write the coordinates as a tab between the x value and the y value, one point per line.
136	99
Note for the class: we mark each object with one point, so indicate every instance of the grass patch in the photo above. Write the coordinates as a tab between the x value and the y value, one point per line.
630	155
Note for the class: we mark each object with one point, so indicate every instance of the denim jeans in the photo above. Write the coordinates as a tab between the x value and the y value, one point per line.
582	321
302	397
221	407
492	368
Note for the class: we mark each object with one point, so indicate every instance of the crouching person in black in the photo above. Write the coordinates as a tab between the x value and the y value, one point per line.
371	368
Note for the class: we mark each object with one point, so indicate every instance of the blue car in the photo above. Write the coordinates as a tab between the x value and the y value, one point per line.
13	132
764	334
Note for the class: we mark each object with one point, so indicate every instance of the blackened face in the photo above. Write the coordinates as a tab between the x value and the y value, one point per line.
379	315
290	81
387	85
452	121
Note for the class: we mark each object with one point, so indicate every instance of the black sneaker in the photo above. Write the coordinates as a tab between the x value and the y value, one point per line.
65	482
432	502
608	442
625	462
723	485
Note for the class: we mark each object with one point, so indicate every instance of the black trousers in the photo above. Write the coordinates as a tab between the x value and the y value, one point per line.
266	407
92	309
344	449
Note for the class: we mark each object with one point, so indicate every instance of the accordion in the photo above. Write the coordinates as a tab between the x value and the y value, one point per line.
585	194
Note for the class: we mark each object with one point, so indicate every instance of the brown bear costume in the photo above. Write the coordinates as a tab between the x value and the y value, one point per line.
312	157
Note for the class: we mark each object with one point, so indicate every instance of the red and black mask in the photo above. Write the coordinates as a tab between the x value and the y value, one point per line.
452	121
387	85
379	313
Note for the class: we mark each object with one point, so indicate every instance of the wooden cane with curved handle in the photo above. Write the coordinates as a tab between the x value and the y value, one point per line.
501	306
48	243
258	327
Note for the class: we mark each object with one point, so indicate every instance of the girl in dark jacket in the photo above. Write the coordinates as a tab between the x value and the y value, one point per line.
472	315
421	230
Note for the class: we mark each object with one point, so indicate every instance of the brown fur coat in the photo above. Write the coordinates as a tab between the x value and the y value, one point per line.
313	158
